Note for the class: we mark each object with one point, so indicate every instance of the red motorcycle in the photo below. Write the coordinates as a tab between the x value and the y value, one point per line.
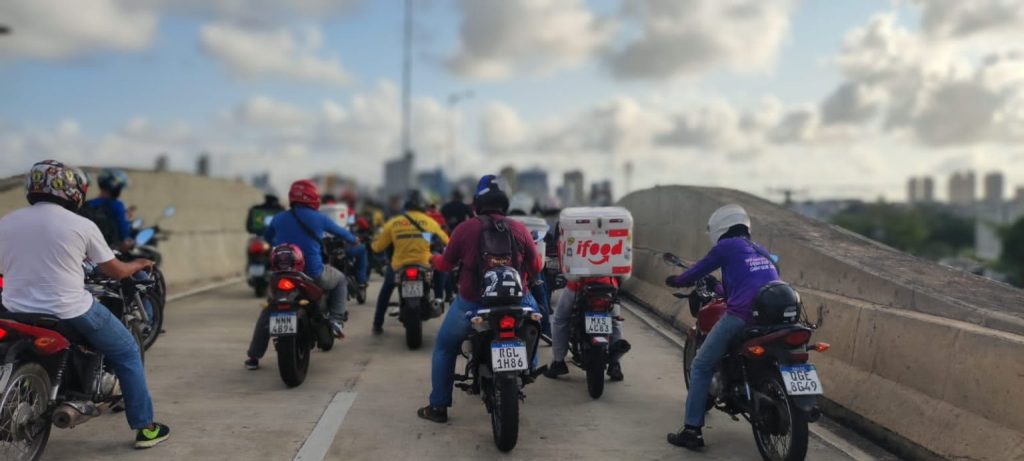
766	377
298	323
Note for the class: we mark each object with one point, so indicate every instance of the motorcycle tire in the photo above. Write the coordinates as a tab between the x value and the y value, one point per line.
772	424
292	360
595	363
689	353
156	324
413	332
361	295
34	377
505	412
325	340
259	289
161	287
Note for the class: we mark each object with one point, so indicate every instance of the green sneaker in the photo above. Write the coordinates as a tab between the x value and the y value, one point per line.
151	437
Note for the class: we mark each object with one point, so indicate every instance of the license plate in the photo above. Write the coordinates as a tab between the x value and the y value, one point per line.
508	356
412	289
801	379
257	270
551	264
283	323
598	323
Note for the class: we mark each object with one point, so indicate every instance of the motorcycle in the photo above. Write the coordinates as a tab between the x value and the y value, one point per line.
500	353
416	305
590	329
146	241
298	323
338	258
766	377
125	299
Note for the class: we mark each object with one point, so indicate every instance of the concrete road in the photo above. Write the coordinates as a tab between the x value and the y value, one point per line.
219	410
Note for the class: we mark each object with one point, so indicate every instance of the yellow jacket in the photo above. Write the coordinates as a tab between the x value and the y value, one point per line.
410	246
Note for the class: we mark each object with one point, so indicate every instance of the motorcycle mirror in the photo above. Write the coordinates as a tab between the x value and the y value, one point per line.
821	316
671	259
169	211
137	223
681	295
144	236
267	220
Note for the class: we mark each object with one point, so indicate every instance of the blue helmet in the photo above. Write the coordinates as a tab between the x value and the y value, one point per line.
112	180
489	196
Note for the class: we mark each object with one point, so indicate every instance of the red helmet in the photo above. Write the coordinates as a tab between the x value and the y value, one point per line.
305	192
287	257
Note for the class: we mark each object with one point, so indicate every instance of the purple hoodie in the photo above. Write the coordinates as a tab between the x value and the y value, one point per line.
744	271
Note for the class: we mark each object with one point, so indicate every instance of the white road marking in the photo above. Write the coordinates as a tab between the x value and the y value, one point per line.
204	289
320	440
822	433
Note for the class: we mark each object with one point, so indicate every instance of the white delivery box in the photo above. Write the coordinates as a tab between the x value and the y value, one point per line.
538	229
337	212
596	242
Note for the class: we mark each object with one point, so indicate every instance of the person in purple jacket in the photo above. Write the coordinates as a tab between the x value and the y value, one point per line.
746	268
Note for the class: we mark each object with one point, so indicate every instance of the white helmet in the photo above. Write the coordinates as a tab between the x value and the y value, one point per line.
522	202
724	218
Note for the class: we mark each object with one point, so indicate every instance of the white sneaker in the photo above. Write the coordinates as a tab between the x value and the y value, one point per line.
336	329
393	311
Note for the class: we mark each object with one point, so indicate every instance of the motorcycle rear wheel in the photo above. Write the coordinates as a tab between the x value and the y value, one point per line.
505	412
24	428
413	332
259	289
595	362
156	323
292	360
789	442
361	295
689	353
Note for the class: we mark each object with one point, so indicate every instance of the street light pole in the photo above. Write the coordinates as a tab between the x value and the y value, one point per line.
407	79
453	100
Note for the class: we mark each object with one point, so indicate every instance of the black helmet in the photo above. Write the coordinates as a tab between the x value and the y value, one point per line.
113	180
414	201
489	196
776	303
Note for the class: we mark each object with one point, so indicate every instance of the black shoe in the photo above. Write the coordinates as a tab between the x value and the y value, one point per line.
689	438
556	369
615	371
252	364
378	330
435	414
152	436
545	338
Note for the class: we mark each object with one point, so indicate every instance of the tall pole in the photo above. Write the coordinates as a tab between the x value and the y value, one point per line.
407	80
453	100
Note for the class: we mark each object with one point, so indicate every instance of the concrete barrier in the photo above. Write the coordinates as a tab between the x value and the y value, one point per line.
206	237
923	356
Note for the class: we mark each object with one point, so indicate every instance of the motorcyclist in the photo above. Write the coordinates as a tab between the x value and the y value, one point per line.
560	330
520	205
463	250
42	248
358	253
303	226
746	268
456	211
256	221
109	212
405	234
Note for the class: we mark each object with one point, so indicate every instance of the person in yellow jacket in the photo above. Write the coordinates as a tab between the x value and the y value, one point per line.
409	247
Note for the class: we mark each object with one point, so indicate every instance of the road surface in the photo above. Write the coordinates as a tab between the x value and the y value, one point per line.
218	410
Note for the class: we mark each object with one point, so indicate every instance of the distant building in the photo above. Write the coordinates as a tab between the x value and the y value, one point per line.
434	182
533	182
962	187
261	181
203	165
573	193
920	190
601	193
994	187
161	163
335	184
467	185
822	210
928	189
507	180
398	176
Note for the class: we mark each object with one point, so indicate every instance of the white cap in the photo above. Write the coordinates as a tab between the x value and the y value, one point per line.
724	218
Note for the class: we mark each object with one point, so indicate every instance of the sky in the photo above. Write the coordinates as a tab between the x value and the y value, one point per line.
831	98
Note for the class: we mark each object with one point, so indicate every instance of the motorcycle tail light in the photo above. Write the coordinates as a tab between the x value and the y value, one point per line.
257	247
48	342
284	307
412	273
536	316
819	347
798	338
600	303
755	351
476	320
3	334
507	322
285	285
1	282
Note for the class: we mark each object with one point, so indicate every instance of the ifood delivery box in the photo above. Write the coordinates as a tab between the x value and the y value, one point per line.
538	229
596	242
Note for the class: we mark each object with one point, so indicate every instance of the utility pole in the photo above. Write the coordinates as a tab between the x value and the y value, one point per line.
407	80
453	100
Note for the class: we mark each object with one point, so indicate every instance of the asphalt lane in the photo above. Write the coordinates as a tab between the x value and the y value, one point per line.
219	410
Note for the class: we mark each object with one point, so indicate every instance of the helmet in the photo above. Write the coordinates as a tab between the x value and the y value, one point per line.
112	180
304	192
724	218
522	203
502	286
83	184
489	196
776	303
52	181
414	201
287	257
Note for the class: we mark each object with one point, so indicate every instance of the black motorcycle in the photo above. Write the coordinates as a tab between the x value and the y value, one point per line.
765	377
125	299
334	250
500	353
257	265
590	330
416	303
298	323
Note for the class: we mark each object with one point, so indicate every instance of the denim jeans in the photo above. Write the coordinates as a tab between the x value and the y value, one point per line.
560	326
362	262
703	368
454	329
540	294
109	336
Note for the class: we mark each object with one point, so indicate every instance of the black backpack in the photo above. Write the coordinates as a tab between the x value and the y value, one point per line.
499	260
104	220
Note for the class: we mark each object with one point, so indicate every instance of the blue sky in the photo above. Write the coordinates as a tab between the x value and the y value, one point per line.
550	98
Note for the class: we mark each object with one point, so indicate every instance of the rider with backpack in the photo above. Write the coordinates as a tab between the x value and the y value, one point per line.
489	240
108	211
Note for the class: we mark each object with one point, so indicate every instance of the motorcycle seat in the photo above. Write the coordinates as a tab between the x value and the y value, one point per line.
47	321
762	330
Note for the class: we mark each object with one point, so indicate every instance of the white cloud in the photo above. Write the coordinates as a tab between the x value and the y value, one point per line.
679	37
962	18
500	38
261	13
252	53
56	29
501	128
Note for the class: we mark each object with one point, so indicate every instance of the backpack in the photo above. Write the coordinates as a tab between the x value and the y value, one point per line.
498	251
104	219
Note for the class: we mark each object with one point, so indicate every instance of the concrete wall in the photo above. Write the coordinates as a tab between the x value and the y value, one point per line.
207	237
929	357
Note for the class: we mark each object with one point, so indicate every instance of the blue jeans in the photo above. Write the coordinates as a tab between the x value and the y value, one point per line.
715	346
109	336
540	294
454	329
362	262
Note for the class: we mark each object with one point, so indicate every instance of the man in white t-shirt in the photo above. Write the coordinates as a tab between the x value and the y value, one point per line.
42	248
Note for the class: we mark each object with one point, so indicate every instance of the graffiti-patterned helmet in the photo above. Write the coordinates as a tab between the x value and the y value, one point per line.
52	181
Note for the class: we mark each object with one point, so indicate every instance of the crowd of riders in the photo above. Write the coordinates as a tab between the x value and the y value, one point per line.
43	245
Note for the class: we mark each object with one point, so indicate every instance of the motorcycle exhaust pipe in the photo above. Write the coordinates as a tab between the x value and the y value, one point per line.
70	414
618	349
